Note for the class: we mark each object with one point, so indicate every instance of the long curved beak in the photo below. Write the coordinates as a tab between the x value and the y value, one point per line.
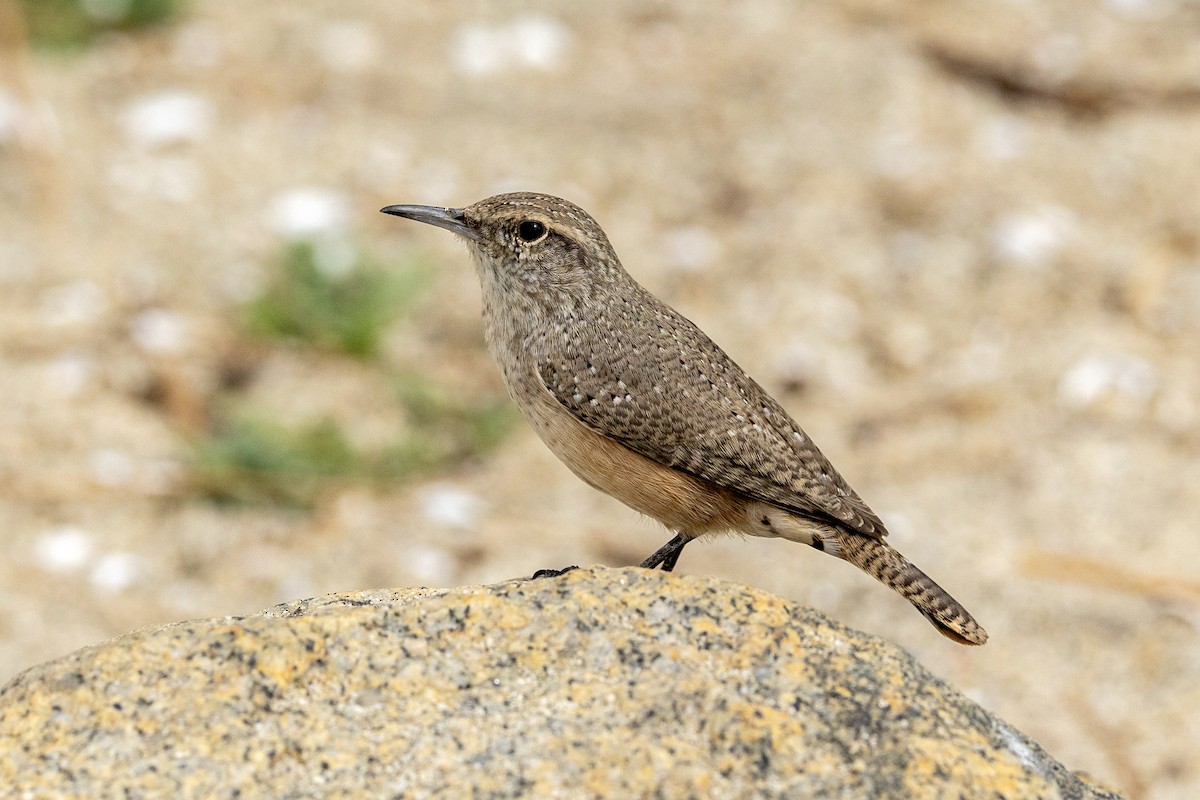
452	219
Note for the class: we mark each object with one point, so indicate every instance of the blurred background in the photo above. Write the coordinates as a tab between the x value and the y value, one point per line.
960	241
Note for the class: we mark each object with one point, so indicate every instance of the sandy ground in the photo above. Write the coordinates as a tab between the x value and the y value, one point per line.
960	242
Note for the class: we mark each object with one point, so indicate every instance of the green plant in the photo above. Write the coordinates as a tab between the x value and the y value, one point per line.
251	460
71	23
333	298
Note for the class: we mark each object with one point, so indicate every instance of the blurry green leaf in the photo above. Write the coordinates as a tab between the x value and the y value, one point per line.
71	23
346	307
255	461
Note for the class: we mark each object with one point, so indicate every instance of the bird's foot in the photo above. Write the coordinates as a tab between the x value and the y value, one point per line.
552	573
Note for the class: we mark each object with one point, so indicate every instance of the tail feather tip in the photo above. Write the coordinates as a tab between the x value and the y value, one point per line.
968	632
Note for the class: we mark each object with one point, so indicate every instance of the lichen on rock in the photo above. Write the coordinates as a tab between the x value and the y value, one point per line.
598	683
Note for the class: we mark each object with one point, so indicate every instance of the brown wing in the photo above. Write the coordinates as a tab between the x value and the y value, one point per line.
663	389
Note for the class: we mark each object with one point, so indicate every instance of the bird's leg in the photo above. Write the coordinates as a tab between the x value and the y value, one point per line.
668	554
552	573
669	564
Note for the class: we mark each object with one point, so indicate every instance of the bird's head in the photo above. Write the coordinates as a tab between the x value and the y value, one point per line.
529	243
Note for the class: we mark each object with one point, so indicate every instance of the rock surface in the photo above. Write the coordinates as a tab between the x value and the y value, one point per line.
601	683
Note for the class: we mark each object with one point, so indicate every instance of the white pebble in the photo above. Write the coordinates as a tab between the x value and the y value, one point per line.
159	331
168	117
1094	376
1033	237
449	505
307	211
115	572
529	42
539	41
63	549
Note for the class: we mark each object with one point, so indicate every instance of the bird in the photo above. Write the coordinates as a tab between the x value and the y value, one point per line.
641	404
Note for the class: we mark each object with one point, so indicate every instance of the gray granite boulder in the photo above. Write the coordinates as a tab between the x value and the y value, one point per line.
600	683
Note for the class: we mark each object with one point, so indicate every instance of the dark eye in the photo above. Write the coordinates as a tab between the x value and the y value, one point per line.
531	230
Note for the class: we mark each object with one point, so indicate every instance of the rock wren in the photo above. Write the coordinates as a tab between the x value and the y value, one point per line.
641	404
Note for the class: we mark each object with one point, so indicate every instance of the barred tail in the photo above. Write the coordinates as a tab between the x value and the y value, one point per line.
877	558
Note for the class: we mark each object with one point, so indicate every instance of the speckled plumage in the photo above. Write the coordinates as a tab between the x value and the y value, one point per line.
639	373
641	404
